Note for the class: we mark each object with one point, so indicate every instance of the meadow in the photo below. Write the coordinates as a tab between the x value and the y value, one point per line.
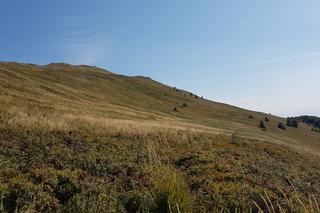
80	139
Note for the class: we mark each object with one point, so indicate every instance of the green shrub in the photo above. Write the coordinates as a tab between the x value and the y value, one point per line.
65	189
96	198
281	126
2	191
21	195
177	90
292	122
134	204
262	125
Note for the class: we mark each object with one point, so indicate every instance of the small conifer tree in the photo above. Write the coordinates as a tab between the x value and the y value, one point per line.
281	126
262	125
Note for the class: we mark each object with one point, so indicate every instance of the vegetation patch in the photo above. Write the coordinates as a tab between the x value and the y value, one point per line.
190	173
292	122
281	126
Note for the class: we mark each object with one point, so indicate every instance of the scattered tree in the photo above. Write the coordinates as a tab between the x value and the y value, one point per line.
281	126
175	109
251	117
292	122
310	120
262	125
267	119
185	105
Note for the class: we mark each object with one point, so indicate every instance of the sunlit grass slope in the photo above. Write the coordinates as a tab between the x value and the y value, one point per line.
82	91
81	139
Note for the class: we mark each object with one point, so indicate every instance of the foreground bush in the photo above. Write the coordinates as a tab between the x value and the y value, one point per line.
163	171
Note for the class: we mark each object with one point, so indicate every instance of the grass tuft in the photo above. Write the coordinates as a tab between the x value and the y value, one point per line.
171	191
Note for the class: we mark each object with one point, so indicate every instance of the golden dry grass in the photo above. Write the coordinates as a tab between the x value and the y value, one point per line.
40	95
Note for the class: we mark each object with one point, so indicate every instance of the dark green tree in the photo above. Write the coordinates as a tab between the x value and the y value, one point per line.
262	125
281	126
292	122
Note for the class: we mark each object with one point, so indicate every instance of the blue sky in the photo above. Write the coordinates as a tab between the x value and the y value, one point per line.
262	55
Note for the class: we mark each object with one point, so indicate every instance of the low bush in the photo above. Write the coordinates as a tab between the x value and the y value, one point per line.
160	171
281	126
262	125
292	122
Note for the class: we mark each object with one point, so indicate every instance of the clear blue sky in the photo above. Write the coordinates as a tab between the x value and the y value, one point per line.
262	55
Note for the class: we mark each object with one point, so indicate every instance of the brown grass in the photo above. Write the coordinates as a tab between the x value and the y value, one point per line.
92	95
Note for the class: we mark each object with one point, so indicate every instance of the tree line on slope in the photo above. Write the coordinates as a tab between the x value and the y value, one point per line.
291	122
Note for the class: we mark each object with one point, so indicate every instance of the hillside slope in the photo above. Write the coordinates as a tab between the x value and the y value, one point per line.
92	93
82	139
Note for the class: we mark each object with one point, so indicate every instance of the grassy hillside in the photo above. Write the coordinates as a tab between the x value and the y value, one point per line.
89	93
79	138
